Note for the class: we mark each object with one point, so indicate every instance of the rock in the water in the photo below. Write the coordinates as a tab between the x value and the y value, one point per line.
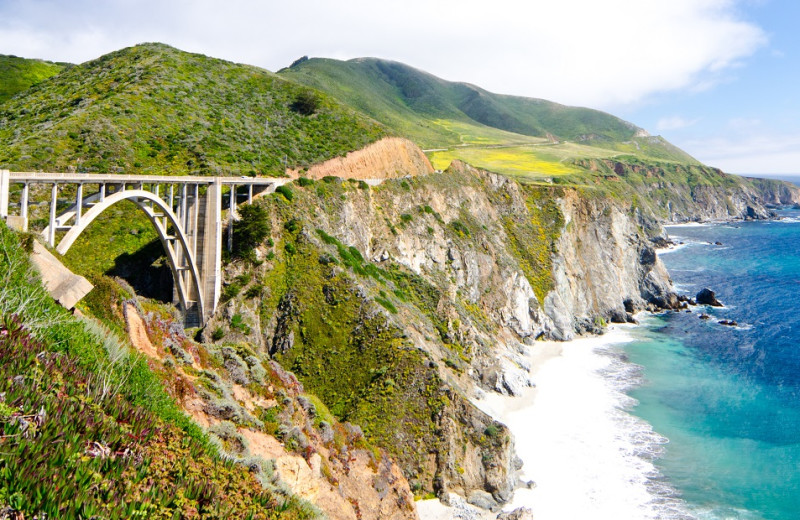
661	242
717	243
708	297
522	513
705	316
730	323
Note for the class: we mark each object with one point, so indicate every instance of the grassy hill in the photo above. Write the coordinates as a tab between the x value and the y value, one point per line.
18	74
154	109
91	429
509	134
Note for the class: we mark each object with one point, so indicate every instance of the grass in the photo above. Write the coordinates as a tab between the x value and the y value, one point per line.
119	232
152	109
526	162
19	74
474	134
88	430
532	140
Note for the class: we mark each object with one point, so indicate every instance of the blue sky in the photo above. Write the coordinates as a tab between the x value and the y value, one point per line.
748	122
718	78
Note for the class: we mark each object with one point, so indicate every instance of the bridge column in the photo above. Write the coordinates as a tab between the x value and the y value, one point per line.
209	250
51	239
231	214
5	177
79	204
23	206
195	216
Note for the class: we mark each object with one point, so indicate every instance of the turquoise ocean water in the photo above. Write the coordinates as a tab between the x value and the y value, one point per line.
728	398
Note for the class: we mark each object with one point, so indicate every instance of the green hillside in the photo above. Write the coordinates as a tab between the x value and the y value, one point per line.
18	74
154	109
508	134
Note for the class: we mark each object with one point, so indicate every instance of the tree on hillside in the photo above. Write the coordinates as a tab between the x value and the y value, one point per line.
250	230
306	102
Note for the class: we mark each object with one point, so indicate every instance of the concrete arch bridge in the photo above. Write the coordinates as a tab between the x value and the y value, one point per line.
185	211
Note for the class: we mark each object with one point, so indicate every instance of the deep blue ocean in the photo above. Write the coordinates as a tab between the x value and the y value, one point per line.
728	398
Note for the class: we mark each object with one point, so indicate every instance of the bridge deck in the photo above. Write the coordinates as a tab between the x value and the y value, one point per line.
92	178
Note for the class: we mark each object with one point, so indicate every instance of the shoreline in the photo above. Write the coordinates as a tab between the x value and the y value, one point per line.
594	459
539	355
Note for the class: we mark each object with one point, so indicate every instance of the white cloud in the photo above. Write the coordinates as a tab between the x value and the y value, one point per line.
753	153
602	54
675	123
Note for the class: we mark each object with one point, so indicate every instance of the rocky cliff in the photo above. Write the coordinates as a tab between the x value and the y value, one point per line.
673	192
398	304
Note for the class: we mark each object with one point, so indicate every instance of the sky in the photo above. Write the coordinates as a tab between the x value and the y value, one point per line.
718	78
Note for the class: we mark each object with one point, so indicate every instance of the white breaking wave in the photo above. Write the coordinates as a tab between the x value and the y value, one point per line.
589	457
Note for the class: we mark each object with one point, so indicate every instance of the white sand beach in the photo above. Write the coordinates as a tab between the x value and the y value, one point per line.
587	457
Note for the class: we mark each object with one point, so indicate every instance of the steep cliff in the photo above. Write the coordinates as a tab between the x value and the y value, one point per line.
397	304
674	192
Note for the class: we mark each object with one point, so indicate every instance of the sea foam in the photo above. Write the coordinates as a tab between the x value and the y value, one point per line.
589	457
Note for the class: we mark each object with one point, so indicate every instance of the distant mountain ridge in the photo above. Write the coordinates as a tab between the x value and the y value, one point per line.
417	103
18	74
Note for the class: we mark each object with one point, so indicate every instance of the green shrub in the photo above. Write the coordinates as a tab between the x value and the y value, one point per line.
460	229
306	102
327	238
218	334
254	291
389	306
304	181
285	191
231	291
237	323
293	226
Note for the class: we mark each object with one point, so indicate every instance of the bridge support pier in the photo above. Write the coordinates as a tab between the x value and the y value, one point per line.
5	179
209	251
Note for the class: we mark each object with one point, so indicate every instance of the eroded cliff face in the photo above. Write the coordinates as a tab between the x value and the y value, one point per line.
259	415
389	158
604	267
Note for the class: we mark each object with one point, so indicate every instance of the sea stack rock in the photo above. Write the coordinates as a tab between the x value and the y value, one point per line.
707	297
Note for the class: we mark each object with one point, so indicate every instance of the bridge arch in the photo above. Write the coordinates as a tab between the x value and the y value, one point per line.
146	201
